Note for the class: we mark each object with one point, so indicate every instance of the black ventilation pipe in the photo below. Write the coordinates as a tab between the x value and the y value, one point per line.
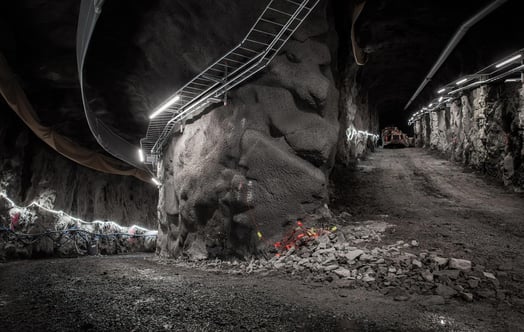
453	43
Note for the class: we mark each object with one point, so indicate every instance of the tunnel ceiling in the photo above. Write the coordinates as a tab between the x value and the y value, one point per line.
405	38
142	51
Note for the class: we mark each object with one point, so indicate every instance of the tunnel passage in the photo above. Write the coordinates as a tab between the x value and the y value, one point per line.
236	177
276	205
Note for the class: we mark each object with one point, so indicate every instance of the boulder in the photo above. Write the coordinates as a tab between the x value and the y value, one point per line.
354	254
342	272
239	177
459	264
445	291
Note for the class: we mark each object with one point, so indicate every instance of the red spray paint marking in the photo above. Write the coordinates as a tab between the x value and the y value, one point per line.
15	219
131	231
298	236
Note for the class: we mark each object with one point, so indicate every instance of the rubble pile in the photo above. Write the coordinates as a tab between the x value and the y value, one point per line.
348	259
391	267
37	231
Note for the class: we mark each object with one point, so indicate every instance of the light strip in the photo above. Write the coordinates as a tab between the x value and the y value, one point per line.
440	99
165	106
351	133
462	81
503	63
511	80
155	181
141	155
62	213
441	90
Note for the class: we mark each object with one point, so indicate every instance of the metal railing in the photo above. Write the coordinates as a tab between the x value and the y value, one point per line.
512	65
273	28
461	32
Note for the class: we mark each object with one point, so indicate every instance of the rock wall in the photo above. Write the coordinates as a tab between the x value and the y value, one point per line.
355	112
236	178
356	116
31	171
35	231
484	129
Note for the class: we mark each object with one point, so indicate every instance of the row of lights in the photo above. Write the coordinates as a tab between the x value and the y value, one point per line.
165	106
464	80
499	65
62	213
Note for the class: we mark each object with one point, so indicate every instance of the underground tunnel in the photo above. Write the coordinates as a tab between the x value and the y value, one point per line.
263	165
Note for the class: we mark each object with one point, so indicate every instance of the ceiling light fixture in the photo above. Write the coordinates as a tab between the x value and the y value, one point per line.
141	155
462	81
503	63
441	90
165	106
511	80
155	181
440	99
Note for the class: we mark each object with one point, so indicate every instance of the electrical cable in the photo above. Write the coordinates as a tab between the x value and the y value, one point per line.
67	232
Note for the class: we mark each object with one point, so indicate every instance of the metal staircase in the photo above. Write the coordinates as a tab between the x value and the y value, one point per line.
273	28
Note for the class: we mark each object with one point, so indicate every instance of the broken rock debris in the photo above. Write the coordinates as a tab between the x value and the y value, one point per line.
400	270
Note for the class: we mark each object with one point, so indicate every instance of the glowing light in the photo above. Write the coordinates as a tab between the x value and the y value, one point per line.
155	181
441	90
139	228
352	134
430	105
511	80
440	99
165	106
62	213
503	63
141	155
462	81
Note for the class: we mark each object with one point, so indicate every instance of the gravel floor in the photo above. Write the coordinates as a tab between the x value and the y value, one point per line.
426	198
137	293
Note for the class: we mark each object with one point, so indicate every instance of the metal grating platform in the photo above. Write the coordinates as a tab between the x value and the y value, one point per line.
273	28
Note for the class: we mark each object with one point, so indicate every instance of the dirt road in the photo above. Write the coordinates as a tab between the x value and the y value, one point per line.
137	293
438	203
426	198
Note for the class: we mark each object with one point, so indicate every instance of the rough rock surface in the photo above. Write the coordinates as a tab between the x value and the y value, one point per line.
258	163
483	129
31	171
38	231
